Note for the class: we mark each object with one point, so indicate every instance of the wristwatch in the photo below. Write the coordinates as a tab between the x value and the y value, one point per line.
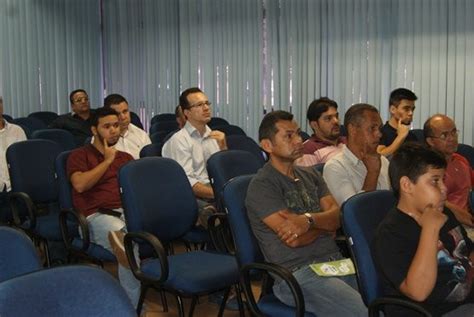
311	222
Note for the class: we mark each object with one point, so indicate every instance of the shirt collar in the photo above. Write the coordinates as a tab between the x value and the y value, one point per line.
193	131
350	156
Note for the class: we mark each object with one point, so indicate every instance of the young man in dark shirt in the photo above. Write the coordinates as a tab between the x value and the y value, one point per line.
421	250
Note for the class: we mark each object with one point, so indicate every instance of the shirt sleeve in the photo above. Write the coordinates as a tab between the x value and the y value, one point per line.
77	162
264	198
338	181
180	151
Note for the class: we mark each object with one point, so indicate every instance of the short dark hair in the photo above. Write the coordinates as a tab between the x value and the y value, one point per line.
101	113
318	107
413	159
183	98
268	129
399	94
71	95
114	99
355	114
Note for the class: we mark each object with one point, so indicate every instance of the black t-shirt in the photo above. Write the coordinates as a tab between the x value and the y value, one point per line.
389	134
80	128
395	244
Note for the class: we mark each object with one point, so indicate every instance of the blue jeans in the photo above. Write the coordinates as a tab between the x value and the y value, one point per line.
99	227
324	296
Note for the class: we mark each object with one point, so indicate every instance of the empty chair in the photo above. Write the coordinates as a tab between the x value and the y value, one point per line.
230	129
245	143
64	138
135	120
216	121
163	117
361	214
250	258
158	137
18	254
160	207
64	291
45	116
468	152
167	126
31	123
153	149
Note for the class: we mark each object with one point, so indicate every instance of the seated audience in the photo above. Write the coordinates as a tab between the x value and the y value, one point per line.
93	170
326	140
192	146
441	134
396	130
294	218
420	248
78	122
358	167
132	138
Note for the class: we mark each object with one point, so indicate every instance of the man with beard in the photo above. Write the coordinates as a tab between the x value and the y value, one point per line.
294	217
326	141
358	167
93	170
441	134
396	130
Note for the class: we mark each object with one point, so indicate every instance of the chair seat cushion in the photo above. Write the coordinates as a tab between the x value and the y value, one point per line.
197	235
196	272
272	306
48	227
95	250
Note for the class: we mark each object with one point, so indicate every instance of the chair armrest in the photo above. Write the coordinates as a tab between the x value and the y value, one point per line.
13	200
378	304
218	225
158	252
71	215
279	271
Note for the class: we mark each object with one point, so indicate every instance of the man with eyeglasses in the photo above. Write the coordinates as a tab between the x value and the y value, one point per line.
441	134
192	146
78	121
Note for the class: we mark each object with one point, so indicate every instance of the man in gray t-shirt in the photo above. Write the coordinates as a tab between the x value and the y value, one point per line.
294	218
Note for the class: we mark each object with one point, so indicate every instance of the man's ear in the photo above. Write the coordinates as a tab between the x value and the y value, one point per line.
314	126
406	185
429	141
94	130
392	109
266	145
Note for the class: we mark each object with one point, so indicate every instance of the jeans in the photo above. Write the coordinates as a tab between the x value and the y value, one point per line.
324	296
99	227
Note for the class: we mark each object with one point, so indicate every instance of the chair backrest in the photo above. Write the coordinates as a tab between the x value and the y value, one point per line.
361	214
167	126
319	167
7	117
45	116
64	138
224	165
158	137
31	167
230	129
305	136
468	152
135	119
244	143
65	186
65	291
163	117
419	134
216	121
247	249
153	149
157	198
18	254
31	123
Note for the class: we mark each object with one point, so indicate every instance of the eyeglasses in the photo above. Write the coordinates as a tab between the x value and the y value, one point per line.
443	136
81	99
200	104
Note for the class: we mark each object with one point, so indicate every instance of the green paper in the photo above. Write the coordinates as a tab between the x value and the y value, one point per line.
335	268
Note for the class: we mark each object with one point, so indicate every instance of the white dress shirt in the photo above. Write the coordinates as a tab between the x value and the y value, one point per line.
191	151
10	134
133	140
345	175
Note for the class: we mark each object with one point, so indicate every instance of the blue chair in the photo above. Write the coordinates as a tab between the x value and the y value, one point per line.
468	152
153	149
167	126
419	134
78	247
78	291
230	129
163	117
216	121
18	254
8	118
160	207
319	167
47	117
31	123
34	195
361	214
471	200
64	138
251	260
158	137
244	143
135	120
305	136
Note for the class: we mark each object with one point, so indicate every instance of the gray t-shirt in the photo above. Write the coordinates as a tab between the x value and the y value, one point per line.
269	192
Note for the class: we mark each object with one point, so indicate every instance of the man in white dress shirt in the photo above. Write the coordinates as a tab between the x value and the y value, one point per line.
192	146
132	138
358	167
